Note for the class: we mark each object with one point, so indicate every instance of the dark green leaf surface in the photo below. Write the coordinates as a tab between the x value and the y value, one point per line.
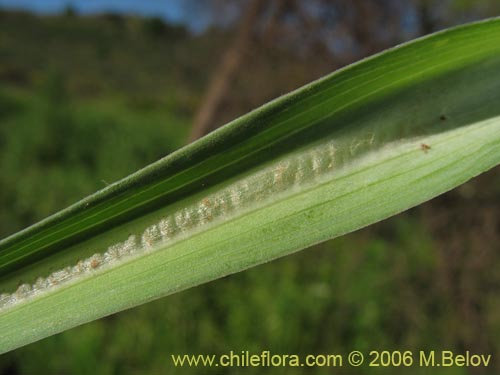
355	147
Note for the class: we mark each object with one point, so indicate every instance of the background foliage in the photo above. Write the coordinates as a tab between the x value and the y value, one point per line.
85	101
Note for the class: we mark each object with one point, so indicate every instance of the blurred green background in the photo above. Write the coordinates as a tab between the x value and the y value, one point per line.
87	98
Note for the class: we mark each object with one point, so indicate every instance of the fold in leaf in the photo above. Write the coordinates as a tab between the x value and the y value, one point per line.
353	148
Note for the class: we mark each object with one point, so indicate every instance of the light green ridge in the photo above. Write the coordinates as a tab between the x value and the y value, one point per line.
351	149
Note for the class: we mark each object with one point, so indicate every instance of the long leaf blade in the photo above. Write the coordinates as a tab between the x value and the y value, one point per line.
350	149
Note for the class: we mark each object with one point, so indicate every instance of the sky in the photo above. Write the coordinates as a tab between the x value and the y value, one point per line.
170	10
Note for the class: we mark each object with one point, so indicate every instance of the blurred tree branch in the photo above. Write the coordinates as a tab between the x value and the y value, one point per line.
317	35
221	81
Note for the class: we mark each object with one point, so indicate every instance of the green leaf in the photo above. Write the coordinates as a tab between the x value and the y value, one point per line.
353	148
